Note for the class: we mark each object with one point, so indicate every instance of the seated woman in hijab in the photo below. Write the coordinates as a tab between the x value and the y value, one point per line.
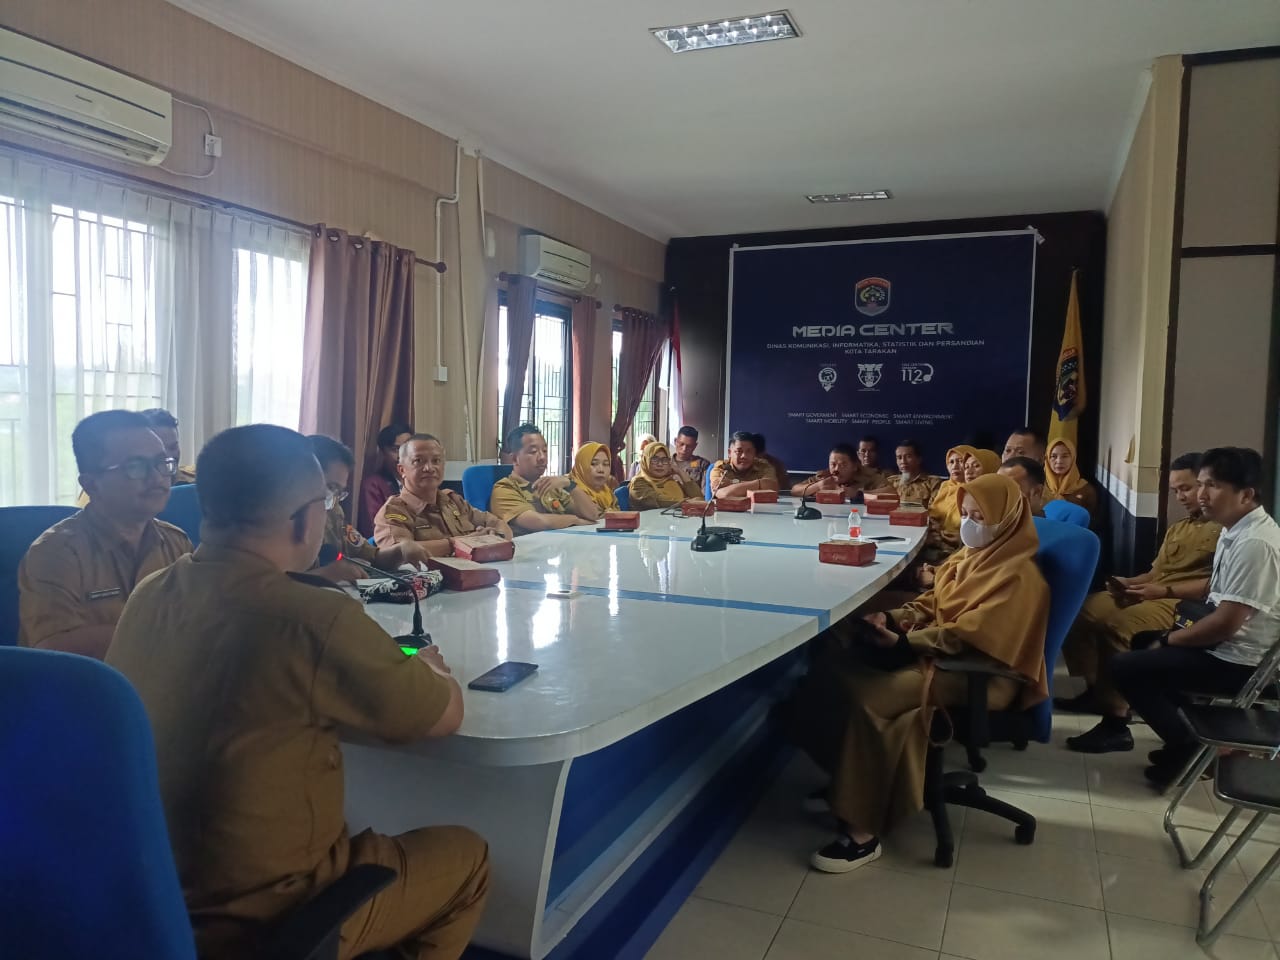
642	441
1063	480
980	462
659	484
944	509
591	471
864	710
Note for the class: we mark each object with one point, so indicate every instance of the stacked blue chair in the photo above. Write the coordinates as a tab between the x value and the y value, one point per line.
623	495
1064	511
478	481
21	526
183	511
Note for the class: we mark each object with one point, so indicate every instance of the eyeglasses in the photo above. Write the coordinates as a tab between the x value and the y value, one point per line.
339	495
329	500
660	462
137	468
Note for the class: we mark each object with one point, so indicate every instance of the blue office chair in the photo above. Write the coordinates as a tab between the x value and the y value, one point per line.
1068	557
183	511
706	483
21	526
623	495
478	481
87	871
1064	511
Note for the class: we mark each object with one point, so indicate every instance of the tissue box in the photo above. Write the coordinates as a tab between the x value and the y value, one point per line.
880	504
622	519
913	516
698	508
829	496
849	553
763	496
733	504
463	574
483	548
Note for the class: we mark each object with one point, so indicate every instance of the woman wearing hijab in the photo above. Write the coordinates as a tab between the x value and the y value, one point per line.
1062	477
865	711
658	483
642	441
591	471
944	508
980	463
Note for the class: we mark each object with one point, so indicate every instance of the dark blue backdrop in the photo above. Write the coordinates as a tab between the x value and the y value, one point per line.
922	338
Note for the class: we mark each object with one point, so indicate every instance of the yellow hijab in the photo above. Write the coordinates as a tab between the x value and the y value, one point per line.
989	459
582	473
945	505
1069	483
995	599
667	487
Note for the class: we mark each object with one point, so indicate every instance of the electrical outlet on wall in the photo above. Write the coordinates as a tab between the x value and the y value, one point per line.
212	145
442	374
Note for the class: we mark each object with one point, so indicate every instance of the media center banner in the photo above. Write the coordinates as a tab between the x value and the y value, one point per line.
923	338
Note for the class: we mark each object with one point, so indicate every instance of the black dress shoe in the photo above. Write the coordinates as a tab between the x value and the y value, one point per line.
1103	738
1081	703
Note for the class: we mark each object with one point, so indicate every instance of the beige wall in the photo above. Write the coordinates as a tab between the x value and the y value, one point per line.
298	146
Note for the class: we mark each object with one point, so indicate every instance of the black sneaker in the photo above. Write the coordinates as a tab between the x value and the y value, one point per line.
1103	738
842	855
1081	703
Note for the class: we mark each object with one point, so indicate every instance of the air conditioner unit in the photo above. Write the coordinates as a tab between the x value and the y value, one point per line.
56	95
549	261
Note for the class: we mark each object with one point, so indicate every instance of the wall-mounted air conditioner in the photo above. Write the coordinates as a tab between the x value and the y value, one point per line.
549	261
56	95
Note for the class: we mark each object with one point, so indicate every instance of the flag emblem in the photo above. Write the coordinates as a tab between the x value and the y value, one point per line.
871	296
1067	389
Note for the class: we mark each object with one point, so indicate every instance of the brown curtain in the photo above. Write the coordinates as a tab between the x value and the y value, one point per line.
583	331
643	335
522	293
358	345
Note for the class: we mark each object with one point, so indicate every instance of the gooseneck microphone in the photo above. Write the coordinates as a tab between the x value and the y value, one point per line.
417	637
706	542
803	510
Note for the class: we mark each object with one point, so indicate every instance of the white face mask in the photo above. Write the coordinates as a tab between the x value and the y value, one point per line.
975	535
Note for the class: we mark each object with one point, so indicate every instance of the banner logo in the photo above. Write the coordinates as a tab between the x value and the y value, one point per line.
917	372
1068	386
869	374
871	296
827	377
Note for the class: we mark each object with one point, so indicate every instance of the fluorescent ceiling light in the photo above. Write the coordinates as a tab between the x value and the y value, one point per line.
728	33
848	197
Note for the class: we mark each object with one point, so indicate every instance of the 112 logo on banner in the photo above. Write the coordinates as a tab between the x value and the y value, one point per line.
917	372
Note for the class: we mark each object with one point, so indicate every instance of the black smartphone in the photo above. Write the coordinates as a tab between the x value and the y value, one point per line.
502	677
886	539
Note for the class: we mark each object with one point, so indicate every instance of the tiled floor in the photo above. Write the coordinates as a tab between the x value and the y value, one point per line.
1099	883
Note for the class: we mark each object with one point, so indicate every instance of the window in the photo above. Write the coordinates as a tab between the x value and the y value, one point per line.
646	418
548	379
111	297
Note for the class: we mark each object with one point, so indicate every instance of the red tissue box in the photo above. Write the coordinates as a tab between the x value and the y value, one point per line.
698	508
829	496
463	574
763	496
733	504
849	553
880	504
622	519
483	548
909	517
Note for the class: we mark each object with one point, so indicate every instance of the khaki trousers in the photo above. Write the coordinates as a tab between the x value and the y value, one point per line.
1103	629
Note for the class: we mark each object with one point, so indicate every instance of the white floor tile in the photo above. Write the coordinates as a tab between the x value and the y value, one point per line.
991	925
1254	856
1057	821
1134	939
1032	772
912	844
759	870
1051	871
887	904
1140	835
705	929
808	941
1268	901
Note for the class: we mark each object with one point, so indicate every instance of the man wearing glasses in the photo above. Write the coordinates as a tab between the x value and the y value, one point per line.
74	580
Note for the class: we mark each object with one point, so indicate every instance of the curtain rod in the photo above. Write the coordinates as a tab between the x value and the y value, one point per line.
358	242
507	277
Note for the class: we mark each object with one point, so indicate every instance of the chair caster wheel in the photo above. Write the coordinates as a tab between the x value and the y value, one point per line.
942	856
1024	833
1020	745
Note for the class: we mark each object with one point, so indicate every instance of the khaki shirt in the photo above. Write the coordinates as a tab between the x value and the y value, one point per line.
647	495
345	538
513	495
920	490
1187	551
723	474
695	468
247	676
184	476
407	518
79	573
863	479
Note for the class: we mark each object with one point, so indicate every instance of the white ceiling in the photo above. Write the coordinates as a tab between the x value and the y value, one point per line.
960	107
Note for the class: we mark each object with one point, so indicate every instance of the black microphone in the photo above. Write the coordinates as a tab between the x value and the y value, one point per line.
418	637
803	511
710	542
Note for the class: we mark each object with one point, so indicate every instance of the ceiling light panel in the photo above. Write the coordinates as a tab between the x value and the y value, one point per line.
848	197
732	32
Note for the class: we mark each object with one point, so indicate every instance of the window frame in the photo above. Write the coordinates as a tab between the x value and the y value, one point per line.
547	303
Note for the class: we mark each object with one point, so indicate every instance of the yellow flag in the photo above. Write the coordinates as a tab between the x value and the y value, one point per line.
1069	394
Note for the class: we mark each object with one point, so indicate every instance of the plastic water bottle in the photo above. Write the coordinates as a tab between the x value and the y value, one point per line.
855	524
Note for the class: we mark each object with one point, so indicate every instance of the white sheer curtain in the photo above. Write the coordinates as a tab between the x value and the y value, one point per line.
111	296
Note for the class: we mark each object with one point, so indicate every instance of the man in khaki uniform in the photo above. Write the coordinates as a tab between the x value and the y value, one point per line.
165	426
1110	619
744	471
247	675
422	515
911	483
75	578
530	501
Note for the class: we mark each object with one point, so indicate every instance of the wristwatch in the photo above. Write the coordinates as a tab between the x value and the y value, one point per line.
1168	592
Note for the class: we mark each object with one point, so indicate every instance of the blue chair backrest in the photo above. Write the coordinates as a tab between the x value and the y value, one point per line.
623	496
1067	557
1066	512
21	526
86	869
183	511
478	481
706	483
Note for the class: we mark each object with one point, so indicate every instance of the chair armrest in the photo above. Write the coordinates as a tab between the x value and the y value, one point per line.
976	665
310	930
978	671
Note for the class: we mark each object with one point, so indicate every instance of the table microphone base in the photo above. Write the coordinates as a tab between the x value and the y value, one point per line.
707	543
806	512
418	640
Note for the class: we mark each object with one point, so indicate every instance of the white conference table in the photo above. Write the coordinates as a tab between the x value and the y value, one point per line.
652	676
